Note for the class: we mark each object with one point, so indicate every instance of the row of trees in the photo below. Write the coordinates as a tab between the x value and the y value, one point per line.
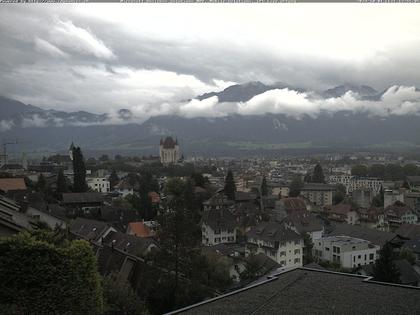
386	172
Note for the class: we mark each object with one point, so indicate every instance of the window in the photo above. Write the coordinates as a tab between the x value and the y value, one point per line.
217	231
283	253
327	249
217	240
371	256
297	242
359	257
297	260
297	251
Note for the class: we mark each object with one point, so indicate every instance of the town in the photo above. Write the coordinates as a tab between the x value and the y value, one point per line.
173	233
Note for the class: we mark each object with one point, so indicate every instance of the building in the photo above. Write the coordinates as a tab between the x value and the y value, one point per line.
312	291
10	186
414	182
141	229
218	226
376	237
353	183
169	151
12	221
279	241
391	196
306	222
398	214
98	184
362	197
318	193
90	230
85	202
342	213
348	252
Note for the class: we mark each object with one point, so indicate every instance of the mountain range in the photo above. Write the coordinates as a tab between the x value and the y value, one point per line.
39	129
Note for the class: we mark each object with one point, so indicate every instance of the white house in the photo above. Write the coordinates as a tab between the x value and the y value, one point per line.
279	241
98	184
218	226
347	251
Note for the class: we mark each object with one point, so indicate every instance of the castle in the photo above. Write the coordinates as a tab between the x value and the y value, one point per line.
169	151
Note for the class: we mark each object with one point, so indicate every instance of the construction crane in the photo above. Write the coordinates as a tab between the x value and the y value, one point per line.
4	155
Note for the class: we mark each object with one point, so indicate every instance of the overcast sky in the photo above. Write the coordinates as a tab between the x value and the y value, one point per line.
149	57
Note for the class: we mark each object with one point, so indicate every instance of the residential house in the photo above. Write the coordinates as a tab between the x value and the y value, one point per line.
141	229
218	226
373	218
217	201
90	230
124	188
12	221
306	222
86	202
51	219
133	245
391	196
348	252
12	186
98	184
376	237
279	241
409	231
342	213
398	214
318	193
412	199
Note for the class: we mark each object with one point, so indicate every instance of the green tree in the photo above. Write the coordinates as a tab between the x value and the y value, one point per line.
318	174
42	274
296	186
339	194
41	185
359	170
230	187
61	183
384	268
79	170
264	187
377	170
308	245
410	170
119	296
113	179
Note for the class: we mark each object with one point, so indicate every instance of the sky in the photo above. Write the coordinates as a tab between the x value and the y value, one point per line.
152	58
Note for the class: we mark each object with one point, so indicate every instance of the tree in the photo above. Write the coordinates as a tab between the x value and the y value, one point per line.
340	194
61	183
41	185
359	170
43	273
307	249
119	296
318	174
264	188
113	179
384	268
230	187
79	170
295	186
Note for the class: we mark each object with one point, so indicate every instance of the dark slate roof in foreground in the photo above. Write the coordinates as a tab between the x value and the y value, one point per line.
310	291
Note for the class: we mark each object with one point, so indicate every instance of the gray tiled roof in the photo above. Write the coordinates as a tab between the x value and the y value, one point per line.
309	291
374	236
219	219
88	229
273	231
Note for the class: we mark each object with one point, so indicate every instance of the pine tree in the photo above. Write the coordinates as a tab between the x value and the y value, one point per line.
264	188
61	183
384	269
41	184
230	186
318	175
79	170
113	179
295	187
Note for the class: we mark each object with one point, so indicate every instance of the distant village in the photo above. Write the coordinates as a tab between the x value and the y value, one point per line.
331	219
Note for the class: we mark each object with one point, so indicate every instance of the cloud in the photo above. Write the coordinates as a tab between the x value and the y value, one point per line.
77	39
44	46
6	125
397	100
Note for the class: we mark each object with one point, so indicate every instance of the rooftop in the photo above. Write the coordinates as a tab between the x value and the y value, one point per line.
312	291
7	184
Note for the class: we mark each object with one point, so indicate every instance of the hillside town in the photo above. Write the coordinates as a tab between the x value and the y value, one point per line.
168	231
